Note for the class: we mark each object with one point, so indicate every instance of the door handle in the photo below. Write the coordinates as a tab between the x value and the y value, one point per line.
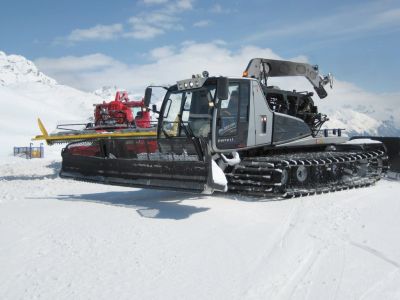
219	122
263	124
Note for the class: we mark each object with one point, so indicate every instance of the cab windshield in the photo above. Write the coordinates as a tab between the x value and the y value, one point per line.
194	107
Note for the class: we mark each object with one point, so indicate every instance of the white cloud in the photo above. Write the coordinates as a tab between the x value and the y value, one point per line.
98	32
144	25
75	63
216	8
219	9
202	23
184	4
143	31
168	64
391	15
162	52
72	69
150	25
154	1
347	23
154	23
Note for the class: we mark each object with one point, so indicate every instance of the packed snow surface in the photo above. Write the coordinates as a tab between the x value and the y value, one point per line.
62	239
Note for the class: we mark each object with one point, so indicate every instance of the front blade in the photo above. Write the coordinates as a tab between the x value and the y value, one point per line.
146	163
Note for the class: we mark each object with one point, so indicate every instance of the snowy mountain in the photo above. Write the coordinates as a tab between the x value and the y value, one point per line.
354	122
361	123
26	94
16	69
363	113
107	92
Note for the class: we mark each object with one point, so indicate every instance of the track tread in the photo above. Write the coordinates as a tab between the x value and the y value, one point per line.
262	176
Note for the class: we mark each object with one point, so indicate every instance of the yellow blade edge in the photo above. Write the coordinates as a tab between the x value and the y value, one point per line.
43	131
42	128
50	138
60	138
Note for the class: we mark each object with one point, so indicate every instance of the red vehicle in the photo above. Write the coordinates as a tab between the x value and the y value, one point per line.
121	113
120	118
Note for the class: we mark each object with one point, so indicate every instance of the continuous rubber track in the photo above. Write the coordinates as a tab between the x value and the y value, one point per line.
302	174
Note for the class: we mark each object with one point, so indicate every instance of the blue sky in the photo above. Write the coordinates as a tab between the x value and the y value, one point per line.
358	41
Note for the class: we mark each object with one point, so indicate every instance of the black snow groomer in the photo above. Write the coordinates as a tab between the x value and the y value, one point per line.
235	135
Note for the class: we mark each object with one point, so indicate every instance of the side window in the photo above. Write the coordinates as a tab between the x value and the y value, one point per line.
186	106
172	109
229	111
200	117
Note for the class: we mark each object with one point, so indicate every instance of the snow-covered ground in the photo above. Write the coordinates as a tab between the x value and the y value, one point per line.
62	239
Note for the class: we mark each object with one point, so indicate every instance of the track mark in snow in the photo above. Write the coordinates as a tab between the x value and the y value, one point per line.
380	284
343	264
300	274
289	224
376	253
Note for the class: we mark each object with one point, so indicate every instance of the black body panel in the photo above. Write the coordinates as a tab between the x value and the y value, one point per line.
392	145
288	128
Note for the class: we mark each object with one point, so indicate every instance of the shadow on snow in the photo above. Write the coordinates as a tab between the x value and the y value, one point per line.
148	203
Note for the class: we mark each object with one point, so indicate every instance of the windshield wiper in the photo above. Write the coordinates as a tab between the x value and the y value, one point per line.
188	132
190	135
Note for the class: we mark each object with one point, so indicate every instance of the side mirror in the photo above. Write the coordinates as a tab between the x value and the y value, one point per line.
321	92
154	108
147	96
223	88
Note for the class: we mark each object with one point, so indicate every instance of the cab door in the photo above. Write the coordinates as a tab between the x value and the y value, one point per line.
261	117
231	128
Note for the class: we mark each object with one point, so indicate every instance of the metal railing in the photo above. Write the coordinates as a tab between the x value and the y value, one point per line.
29	152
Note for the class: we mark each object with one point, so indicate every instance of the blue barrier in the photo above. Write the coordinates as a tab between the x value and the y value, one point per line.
29	152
